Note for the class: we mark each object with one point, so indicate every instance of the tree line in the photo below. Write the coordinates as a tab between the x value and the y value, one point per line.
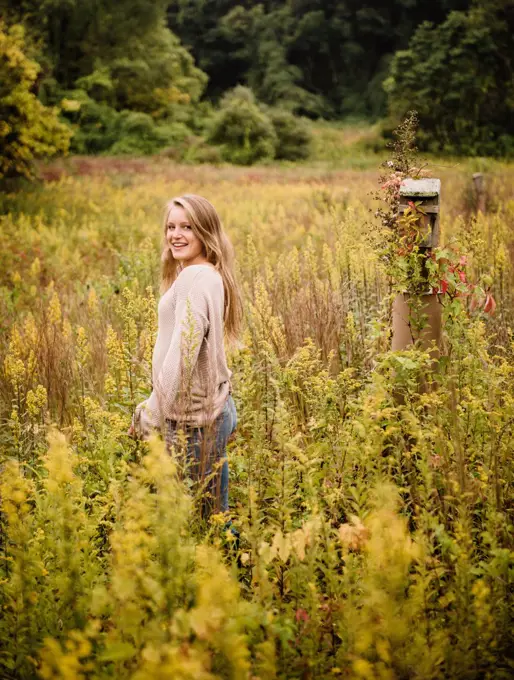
319	57
138	76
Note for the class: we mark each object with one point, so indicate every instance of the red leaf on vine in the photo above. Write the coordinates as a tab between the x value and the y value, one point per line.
462	277
490	304
443	285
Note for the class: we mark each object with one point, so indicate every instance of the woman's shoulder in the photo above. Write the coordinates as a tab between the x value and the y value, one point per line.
197	272
200	278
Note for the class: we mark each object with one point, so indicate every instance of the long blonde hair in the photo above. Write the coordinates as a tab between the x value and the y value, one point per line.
206	225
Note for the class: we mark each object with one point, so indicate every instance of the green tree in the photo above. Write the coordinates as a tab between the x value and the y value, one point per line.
103	60
219	51
28	129
293	136
270	74
459	77
120	51
157	77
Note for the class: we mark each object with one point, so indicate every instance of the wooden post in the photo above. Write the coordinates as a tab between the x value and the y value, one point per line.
479	184
427	192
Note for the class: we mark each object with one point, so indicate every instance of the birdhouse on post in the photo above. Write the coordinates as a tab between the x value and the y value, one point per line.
425	193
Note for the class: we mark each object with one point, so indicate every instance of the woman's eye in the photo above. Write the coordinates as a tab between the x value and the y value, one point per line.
171	227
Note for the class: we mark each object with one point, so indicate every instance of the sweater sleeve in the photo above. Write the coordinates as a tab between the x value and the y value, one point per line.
173	384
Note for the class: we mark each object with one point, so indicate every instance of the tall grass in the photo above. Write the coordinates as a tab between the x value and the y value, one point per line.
375	533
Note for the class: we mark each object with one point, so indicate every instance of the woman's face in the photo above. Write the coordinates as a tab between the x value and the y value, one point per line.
183	242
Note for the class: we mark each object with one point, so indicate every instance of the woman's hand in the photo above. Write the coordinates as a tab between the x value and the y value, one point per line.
141	427
137	430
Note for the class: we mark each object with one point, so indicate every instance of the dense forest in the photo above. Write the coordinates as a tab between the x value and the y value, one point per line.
139	76
320	58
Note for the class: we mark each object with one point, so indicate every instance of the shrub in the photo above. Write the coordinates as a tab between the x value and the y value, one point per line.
199	151
239	94
245	133
138	134
94	122
293	136
102	129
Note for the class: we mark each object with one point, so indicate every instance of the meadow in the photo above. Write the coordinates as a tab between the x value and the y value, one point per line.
375	520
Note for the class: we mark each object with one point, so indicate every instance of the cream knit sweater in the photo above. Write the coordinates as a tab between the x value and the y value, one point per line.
191	380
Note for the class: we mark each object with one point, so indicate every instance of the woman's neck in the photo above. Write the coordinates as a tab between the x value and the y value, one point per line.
202	263
201	259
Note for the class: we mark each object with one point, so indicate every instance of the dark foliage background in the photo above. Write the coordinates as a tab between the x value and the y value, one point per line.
147	76
321	58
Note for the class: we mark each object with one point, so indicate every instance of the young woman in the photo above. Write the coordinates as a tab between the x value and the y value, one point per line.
200	305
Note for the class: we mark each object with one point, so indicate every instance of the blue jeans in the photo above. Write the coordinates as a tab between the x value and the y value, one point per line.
206	446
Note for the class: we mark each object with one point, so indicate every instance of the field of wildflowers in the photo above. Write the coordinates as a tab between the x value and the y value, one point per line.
375	520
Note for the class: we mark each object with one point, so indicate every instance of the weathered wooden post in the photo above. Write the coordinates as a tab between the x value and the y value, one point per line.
479	185
480	203
427	193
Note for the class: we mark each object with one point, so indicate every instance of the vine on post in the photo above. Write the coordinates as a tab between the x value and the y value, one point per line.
410	266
